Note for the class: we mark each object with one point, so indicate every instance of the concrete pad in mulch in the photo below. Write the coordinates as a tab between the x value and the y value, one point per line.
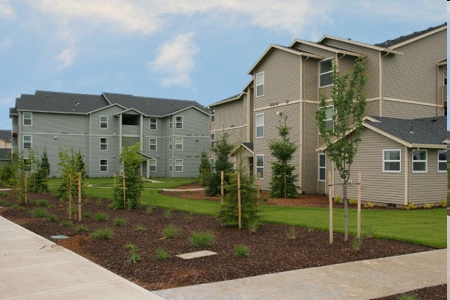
196	254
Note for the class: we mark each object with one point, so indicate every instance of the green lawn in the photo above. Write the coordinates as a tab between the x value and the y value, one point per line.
426	227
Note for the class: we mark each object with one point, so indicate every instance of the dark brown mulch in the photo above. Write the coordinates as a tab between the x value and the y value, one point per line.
270	248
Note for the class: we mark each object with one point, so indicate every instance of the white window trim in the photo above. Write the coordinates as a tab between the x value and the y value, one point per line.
100	142
259	167
31	142
182	165
260	84
155	165
327	72
177	122
150	144
100	165
151	123
319	167
213	140
419	161
399	161
106	122
256	125
30	118
176	144
442	161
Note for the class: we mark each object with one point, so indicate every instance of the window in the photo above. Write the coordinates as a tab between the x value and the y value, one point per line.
260	125
260	165
170	165
178	165
27	118
260	84
329	113
213	114
179	122
325	73
322	169
153	146
213	140
153	165
392	161
103	143
213	165
104	122
419	161
153	124
178	143
442	161
103	165
27	141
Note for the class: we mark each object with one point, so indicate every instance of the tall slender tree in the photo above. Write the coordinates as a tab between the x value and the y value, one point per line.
343	136
222	151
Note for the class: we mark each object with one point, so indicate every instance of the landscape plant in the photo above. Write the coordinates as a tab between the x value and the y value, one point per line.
161	254
133	255
201	239
241	250
103	234
204	169
222	151
342	138
171	231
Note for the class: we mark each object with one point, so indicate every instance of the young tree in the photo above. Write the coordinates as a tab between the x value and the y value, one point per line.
131	160
204	169
283	177
342	138
222	150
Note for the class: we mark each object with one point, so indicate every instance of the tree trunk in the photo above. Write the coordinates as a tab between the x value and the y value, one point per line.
344	197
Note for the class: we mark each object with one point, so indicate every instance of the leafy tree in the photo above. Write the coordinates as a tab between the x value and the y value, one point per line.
39	173
131	160
71	163
343	137
204	169
222	151
283	177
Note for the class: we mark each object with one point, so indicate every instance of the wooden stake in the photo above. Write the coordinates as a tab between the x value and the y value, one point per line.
124	191
69	178
358	228
79	196
330	210
239	200
114	180
222	193
25	189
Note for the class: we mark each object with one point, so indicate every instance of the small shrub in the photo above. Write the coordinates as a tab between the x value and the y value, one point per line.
140	228
52	218
428	205
161	254
201	239
65	223
133	256
101	217
81	228
42	203
103	234
410	206
445	203
120	222
357	243
291	234
171	231
352	201
407	297
241	251
86	215
149	210
338	199
167	213
369	205
39	213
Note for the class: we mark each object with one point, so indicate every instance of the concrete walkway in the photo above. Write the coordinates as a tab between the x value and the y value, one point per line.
32	267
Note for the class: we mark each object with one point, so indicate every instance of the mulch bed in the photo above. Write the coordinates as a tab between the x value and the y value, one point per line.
271	249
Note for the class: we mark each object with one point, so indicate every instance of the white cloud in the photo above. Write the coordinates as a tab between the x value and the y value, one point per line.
175	60
6	10
66	58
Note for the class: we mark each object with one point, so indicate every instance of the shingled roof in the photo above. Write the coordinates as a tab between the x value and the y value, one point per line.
425	131
403	38
5	135
73	103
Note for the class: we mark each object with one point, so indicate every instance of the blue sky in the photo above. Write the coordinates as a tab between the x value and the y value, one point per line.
194	50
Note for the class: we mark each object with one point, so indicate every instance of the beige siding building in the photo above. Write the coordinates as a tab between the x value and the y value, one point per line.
407	79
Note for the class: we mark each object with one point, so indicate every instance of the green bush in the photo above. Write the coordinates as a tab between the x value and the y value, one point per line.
352	201
241	251
428	205
201	239
52	218
81	228
120	222
140	228
338	199
133	256
171	231
161	254
101	217
39	213
103	234
65	223
357	243
410	206
42	203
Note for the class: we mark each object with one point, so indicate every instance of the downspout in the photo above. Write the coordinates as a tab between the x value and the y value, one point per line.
300	176
381	83
90	146
406	176
173	146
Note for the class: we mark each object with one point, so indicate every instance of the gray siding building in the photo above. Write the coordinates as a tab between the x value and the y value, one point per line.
172	133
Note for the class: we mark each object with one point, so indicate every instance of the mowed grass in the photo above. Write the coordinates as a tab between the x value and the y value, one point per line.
425	227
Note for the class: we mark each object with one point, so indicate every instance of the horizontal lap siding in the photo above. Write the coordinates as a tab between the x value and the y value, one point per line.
310	156
394	109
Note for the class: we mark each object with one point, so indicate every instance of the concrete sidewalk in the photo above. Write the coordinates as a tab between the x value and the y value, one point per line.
32	267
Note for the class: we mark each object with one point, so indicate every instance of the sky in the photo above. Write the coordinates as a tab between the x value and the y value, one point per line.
197	50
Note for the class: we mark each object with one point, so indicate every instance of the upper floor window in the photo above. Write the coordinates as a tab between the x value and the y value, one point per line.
259	125
27	118
213	114
179	122
419	161
179	143
103	143
170	122
104	122
260	84
213	140
27	141
442	161
322	169
153	123
153	145
153	165
392	161
325	72
260	166
329	113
